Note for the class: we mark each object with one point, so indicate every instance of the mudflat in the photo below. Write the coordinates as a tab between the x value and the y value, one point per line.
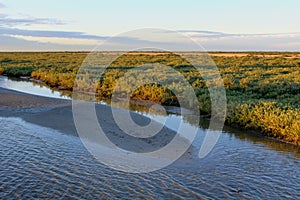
57	114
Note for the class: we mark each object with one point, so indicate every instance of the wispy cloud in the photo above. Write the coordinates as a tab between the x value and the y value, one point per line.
220	35
59	40
219	41
212	41
42	33
71	40
7	21
17	44
204	34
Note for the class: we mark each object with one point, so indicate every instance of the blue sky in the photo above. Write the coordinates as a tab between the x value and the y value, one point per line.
233	25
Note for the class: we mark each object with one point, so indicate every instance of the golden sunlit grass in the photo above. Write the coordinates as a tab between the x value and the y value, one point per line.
263	89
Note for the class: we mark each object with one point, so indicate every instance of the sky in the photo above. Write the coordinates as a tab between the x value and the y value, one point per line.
215	25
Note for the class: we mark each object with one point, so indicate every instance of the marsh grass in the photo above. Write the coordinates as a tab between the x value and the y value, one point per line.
263	89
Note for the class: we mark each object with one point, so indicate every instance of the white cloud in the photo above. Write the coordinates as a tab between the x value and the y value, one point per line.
212	41
7	21
218	41
58	40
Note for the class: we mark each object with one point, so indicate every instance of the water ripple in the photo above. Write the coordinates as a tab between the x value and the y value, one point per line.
41	163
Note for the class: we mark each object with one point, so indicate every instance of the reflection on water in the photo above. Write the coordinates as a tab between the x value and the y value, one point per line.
269	143
172	117
31	87
38	162
41	163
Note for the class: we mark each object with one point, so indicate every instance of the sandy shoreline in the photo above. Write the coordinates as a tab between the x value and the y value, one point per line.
57	114
44	111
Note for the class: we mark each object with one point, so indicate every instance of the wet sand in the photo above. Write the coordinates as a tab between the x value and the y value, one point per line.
44	111
57	114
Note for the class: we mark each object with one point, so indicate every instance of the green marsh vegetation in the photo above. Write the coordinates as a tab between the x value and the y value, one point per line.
263	89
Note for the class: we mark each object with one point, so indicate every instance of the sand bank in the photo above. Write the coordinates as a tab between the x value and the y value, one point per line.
57	114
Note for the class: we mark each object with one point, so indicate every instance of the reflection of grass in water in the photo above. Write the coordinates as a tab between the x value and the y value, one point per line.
40	84
256	138
262	88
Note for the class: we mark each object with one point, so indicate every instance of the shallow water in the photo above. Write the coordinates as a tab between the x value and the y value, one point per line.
38	162
41	163
30	87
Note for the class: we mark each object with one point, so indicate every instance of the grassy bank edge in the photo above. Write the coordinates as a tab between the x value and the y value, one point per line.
267	118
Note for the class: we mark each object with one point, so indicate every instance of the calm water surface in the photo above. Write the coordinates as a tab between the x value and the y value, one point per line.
38	162
30	87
